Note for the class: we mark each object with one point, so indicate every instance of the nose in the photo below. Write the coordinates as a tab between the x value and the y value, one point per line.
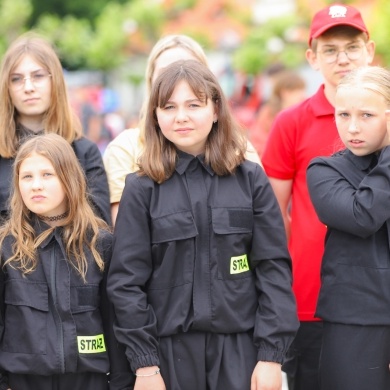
28	85
352	128
37	183
342	57
181	114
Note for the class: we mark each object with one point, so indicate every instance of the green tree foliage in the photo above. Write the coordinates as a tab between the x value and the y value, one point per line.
14	16
380	30
101	44
70	35
270	42
89	9
148	16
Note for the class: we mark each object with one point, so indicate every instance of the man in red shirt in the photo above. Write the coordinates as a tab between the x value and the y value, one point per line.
338	42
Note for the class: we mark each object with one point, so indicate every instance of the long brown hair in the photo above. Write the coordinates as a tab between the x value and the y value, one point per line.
81	227
226	143
59	118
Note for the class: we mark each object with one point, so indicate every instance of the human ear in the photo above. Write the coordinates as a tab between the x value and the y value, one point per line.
311	58
370	46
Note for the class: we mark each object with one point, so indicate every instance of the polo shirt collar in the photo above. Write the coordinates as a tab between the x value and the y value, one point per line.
320	104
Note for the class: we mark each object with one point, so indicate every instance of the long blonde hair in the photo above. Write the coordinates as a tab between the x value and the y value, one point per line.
81	227
59	118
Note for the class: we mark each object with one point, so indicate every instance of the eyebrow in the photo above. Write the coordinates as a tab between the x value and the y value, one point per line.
22	74
348	43
188	100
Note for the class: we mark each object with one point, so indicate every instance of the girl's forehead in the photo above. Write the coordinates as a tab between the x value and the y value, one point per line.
359	96
26	61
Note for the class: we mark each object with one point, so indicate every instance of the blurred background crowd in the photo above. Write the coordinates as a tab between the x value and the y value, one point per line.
255	47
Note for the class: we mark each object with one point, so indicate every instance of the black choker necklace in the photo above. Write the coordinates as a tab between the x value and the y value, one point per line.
55	218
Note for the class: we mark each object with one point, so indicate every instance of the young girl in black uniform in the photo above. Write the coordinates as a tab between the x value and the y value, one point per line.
351	194
200	276
56	323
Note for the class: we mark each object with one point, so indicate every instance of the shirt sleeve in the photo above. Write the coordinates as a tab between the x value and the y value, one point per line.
279	154
121	377
131	268
360	209
120	159
251	154
276	317
97	185
3	374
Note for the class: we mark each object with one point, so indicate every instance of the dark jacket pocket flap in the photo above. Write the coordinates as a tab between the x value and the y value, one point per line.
173	227
20	292
84	298
228	220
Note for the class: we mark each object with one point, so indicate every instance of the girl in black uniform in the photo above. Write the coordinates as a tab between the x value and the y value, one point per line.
351	194
55	323
200	276
34	100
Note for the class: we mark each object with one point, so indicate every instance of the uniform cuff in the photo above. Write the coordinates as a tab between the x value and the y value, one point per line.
270	356
144	361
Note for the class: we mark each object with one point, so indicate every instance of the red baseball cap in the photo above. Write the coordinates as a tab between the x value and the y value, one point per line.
336	15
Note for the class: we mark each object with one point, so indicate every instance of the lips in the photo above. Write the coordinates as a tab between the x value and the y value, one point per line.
31	100
38	197
184	130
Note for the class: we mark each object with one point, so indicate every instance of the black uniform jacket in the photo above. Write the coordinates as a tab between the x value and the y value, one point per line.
54	323
352	197
201	252
91	161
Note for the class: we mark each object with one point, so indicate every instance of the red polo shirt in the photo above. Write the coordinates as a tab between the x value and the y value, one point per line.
299	134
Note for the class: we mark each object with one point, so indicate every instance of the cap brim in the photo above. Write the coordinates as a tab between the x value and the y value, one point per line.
330	25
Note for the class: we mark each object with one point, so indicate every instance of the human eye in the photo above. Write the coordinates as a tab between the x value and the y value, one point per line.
25	176
329	51
168	107
48	174
353	48
16	79
342	115
39	76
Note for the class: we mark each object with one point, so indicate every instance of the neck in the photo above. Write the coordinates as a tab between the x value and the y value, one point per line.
330	93
53	220
32	124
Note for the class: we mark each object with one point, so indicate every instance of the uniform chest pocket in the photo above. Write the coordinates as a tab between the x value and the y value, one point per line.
173	227
84	298
27	306
232	229
173	249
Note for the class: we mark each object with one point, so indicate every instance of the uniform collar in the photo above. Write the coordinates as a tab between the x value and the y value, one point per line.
40	226
363	163
185	159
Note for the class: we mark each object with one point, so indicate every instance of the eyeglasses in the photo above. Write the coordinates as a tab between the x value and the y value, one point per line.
37	78
353	52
